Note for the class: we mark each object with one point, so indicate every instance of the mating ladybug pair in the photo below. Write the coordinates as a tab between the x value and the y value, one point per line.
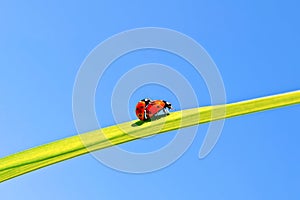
147	108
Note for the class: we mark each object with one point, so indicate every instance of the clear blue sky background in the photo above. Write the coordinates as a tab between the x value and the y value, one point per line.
255	45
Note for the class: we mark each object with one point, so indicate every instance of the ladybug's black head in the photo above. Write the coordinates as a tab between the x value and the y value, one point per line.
168	105
146	100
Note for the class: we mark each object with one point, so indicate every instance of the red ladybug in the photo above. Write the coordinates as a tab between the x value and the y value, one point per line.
141	107
156	106
146	108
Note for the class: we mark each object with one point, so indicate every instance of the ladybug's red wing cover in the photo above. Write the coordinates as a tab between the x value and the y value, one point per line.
154	107
140	110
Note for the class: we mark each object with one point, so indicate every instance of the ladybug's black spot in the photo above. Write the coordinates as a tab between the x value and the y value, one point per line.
140	115
157	106
142	107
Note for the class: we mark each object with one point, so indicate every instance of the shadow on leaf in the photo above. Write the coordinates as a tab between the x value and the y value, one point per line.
154	118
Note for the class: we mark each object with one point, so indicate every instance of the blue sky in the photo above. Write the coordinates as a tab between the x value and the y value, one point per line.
255	45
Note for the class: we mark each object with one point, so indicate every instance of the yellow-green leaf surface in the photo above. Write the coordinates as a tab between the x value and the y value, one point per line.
57	151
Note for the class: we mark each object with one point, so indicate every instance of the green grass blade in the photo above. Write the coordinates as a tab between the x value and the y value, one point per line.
45	155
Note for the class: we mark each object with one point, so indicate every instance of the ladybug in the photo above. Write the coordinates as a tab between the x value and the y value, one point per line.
146	108
141	107
156	106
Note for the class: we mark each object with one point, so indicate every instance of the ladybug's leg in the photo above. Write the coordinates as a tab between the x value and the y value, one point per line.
166	111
